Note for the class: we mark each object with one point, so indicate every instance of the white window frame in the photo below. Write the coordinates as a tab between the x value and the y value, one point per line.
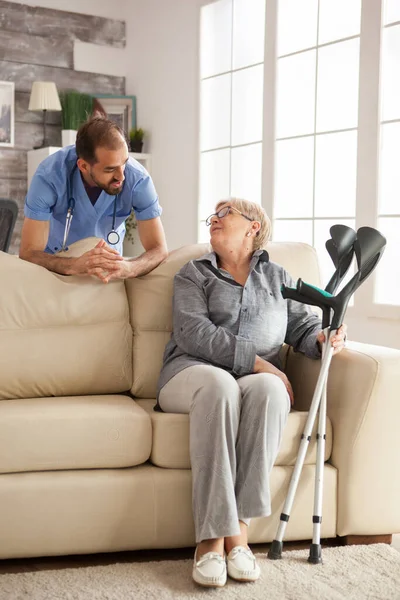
369	131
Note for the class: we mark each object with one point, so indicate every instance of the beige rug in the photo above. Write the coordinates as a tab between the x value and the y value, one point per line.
351	573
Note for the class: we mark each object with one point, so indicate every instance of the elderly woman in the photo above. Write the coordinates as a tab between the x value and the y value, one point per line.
222	367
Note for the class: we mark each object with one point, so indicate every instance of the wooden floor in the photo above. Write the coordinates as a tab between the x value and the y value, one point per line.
24	565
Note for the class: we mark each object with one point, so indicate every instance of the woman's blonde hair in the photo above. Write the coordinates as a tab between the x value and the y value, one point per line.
256	213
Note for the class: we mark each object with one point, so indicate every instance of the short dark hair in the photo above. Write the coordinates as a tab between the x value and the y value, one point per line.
96	132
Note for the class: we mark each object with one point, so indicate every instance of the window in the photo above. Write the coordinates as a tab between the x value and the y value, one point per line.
231	103
318	48
307	123
387	288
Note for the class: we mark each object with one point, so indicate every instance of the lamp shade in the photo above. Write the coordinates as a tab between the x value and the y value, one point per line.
44	96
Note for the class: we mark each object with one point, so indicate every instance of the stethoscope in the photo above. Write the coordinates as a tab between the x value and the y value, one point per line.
113	236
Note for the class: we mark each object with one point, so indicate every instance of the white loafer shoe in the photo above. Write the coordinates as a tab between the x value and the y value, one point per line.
209	570
242	564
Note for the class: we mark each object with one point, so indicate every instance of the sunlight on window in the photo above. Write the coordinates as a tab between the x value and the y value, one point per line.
391	12
338	19
297	25
387	288
296	95
391	73
216	38
248	16
231	103
337	86
214	180
292	231
335	174
389	193
246	172
247	105
215	114
294	174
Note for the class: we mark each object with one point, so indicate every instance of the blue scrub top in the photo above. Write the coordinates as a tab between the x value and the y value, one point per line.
57	179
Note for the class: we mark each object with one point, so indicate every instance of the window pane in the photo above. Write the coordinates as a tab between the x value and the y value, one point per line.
292	231
297	25
337	89
247	106
338	19
215	38
387	283
391	12
215	118
246	173
321	236
391	73
248	32
294	173
389	193
296	95
335	174
203	233
214	180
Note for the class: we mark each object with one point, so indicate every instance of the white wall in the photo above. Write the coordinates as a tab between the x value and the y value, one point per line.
163	72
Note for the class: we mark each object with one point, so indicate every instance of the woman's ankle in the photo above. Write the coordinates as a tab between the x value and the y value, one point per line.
213	545
237	540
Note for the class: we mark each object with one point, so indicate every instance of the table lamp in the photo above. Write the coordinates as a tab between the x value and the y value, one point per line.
44	96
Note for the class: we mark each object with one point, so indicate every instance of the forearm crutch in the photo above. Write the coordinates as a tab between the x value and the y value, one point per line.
368	248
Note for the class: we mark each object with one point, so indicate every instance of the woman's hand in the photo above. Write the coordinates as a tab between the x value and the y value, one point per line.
338	341
263	366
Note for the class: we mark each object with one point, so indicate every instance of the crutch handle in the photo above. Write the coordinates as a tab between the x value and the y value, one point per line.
292	294
312	292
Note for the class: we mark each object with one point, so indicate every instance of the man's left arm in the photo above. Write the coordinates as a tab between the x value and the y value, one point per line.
152	238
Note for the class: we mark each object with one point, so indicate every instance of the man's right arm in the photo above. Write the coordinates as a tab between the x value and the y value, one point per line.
99	261
34	238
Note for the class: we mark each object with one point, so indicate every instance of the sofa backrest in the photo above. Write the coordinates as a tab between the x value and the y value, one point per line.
61	335
150	302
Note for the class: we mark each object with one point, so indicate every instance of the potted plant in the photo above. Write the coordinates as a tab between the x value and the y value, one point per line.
76	108
136	139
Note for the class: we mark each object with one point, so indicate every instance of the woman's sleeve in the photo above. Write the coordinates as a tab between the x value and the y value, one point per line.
196	335
302	327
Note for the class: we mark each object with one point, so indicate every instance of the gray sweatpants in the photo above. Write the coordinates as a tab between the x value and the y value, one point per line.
236	427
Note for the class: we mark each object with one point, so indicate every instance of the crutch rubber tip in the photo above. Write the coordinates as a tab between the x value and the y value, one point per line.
315	557
275	551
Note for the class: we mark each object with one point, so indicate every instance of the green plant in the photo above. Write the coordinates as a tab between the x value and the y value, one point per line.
76	108
136	135
130	226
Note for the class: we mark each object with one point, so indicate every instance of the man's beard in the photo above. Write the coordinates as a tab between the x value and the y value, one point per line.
107	188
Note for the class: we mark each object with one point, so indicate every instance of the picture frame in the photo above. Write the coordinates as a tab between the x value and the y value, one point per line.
121	109
7	113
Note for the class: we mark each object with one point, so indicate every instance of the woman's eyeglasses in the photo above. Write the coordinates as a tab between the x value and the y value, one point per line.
225	211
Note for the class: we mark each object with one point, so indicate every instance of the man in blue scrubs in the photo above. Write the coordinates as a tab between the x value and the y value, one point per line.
102	184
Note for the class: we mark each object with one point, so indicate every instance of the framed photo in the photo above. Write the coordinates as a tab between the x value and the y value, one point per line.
6	113
121	109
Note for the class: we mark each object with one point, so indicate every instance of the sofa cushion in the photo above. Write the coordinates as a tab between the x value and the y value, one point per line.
150	301
170	448
61	336
80	432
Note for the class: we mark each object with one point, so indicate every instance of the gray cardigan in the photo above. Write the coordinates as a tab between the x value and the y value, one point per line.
220	322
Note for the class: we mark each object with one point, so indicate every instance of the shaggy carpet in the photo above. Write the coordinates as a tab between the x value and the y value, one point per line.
350	572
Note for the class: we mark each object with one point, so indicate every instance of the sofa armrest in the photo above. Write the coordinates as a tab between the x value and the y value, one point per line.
364	408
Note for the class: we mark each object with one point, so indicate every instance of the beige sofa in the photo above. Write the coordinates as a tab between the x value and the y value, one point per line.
85	468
